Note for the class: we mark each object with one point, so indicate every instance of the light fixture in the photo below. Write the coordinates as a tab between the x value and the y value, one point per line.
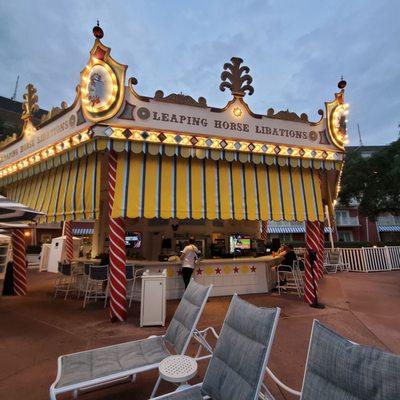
237	112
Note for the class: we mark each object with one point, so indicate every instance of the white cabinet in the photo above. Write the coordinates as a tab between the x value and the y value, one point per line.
153	299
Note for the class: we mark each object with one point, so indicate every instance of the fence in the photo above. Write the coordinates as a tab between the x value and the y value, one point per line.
369	259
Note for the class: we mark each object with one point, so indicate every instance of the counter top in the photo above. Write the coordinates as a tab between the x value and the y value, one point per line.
240	260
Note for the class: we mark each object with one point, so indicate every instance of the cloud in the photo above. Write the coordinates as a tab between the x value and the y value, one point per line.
296	51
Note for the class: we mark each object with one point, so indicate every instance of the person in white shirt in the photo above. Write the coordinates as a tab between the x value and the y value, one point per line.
188	258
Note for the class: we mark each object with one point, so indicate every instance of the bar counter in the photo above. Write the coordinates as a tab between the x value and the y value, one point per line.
243	275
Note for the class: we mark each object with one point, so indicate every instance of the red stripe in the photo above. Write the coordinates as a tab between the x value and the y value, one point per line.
118	303
69	241
264	230
19	262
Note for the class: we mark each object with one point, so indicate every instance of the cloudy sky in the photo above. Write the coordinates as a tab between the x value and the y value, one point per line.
296	50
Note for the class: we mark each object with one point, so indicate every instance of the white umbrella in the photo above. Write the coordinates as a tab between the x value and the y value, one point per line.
12	211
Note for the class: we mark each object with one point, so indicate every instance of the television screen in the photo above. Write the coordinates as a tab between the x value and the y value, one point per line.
239	242
133	240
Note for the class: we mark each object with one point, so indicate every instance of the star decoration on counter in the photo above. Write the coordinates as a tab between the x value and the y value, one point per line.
235	270
253	268
218	271
199	271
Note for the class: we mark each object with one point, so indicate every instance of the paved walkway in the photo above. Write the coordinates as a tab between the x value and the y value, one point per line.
36	329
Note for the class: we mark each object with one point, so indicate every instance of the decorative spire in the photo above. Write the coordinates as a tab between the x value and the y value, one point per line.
97	31
236	78
342	84
29	105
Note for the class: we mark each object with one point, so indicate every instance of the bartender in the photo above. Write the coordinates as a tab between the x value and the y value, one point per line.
188	258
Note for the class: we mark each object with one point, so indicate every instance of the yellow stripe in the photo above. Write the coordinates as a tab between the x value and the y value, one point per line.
70	192
237	178
224	190
62	193
150	188
251	195
197	188
211	209
50	205
318	195
182	200
287	194
277	214
262	192
308	189
120	185
88	185
135	185
78	194
44	191
298	194
166	187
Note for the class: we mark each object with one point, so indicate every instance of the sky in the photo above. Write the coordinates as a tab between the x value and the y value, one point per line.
296	51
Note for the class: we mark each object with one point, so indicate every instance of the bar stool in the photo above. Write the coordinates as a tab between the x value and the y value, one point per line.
97	284
292	276
65	279
132	273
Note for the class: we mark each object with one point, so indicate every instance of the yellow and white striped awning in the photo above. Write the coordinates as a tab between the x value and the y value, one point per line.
175	187
67	192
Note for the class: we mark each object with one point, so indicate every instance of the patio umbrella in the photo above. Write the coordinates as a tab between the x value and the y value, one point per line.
11	211
11	216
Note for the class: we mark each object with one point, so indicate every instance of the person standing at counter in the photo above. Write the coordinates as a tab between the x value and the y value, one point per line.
188	258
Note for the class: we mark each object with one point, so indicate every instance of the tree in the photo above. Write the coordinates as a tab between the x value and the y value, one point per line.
374	182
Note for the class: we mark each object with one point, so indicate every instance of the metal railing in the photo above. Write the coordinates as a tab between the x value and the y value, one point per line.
369	259
347	221
388	220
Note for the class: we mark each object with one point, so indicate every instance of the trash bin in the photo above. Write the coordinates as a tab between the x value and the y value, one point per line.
153	299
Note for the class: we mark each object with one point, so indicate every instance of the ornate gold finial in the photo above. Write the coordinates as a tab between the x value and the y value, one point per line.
29	105
237	82
97	31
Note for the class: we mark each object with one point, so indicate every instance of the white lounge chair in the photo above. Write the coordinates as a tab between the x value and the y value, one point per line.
237	366
97	367
338	369
334	262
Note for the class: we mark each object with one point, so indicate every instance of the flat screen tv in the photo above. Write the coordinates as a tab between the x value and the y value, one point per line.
239	242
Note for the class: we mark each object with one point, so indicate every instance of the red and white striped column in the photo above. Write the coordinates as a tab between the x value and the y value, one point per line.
320	251
313	241
69	241
264	231
19	262
117	278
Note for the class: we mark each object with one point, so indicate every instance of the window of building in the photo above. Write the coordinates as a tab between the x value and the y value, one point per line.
345	236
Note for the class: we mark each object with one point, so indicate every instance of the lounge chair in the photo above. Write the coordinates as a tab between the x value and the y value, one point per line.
334	262
338	369
97	367
237	366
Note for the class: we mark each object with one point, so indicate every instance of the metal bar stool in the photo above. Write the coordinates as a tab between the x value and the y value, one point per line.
64	282
132	273
97	284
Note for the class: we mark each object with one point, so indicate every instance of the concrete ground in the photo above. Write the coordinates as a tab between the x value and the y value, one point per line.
36	329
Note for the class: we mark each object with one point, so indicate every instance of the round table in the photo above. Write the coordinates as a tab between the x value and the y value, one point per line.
178	369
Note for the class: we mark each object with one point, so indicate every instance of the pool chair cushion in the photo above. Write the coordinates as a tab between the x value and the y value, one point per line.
339	369
97	363
238	360
183	322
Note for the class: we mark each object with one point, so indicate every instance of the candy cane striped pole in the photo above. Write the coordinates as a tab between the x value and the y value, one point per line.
264	231
19	262
320	259
312	242
69	241
117	278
